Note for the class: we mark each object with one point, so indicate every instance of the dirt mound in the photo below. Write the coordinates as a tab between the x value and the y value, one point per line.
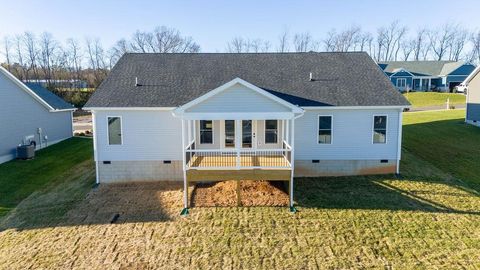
252	193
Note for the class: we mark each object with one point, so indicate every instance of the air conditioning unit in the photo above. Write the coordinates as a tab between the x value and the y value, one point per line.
26	150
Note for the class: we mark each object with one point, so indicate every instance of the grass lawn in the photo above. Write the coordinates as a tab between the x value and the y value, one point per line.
442	138
19	179
427	219
424	99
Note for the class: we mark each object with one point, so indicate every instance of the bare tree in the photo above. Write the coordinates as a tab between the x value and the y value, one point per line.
139	42
237	45
330	41
475	54
47	49
420	44
23	72
7	44
303	42
74	54
283	42
365	42
169	40
440	40
30	44
407	48
458	43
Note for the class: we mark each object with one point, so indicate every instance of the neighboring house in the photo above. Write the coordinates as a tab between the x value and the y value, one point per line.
61	83
30	112
265	116
426	75
473	98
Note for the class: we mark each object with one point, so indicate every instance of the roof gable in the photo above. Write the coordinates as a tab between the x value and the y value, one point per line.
238	96
49	100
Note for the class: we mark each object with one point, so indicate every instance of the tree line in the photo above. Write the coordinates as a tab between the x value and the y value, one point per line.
31	56
393	42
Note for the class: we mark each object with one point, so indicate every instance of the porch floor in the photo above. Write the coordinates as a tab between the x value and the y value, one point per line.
245	161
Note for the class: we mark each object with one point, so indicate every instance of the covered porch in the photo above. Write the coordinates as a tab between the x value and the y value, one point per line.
226	139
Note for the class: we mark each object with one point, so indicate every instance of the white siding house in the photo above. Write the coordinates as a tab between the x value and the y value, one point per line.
26	111
211	121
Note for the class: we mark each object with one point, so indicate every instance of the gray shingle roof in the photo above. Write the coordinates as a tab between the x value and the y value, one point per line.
428	68
53	100
171	80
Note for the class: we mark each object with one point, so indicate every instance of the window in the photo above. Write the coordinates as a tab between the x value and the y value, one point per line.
114	130
229	133
401	82
379	129
206	131
271	131
325	129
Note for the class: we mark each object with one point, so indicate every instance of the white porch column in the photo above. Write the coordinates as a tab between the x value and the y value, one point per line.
292	161
185	186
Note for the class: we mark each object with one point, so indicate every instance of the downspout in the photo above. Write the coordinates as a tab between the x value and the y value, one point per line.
292	162
95	149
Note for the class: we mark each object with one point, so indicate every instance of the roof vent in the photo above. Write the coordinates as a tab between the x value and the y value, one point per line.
136	82
311	77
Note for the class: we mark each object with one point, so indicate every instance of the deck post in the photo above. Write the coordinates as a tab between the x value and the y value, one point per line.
185	183
292	162
239	197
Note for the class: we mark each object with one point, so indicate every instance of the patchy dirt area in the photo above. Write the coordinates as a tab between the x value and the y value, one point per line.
82	124
252	193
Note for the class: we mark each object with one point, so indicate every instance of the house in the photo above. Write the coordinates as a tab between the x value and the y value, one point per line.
30	113
473	98
78	84
266	116
426	75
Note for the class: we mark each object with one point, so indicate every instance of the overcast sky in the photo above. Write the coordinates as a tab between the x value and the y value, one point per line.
213	23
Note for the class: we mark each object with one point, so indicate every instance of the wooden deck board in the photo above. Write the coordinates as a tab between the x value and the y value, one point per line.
231	161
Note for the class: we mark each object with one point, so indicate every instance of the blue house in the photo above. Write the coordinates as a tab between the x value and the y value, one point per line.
426	75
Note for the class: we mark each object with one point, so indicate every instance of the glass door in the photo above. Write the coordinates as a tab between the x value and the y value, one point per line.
247	134
229	133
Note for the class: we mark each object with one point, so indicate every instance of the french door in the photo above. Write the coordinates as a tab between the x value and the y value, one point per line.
239	133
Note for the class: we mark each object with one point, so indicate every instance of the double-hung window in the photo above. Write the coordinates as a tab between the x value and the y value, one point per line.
271	131
380	129
325	129
114	130
206	131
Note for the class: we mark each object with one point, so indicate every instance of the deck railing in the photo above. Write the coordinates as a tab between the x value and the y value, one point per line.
221	159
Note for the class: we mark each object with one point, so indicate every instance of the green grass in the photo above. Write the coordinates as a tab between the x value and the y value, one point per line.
21	178
427	219
424	99
443	139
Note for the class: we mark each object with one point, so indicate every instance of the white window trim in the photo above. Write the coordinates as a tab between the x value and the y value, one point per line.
121	131
386	128
200	132
402	79
331	128
265	132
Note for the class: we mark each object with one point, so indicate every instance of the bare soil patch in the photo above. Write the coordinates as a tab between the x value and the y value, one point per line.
252	193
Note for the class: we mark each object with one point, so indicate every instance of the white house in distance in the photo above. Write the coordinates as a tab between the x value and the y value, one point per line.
29	112
264	116
473	98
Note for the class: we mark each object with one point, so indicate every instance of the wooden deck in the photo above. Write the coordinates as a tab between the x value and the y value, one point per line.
245	161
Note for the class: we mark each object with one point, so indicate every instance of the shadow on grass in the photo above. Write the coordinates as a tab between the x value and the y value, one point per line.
386	193
76	203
